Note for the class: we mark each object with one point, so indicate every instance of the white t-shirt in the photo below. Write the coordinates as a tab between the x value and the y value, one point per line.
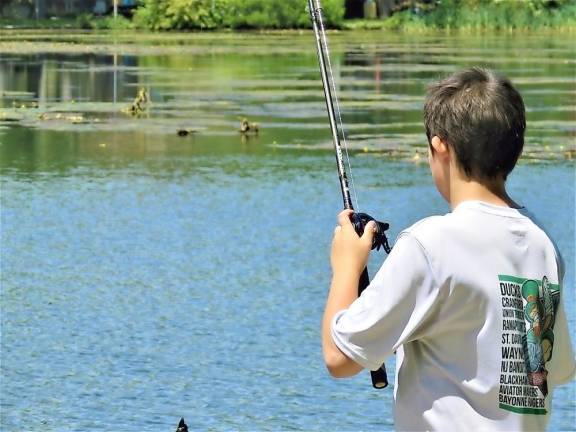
470	303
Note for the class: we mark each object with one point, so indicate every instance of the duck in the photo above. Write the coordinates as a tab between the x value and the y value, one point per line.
248	128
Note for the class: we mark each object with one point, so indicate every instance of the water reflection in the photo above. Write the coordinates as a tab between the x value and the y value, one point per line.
153	276
53	78
381	84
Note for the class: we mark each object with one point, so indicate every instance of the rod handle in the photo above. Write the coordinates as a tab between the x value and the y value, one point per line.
379	377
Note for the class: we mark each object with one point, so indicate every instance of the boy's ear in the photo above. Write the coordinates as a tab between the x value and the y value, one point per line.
439	147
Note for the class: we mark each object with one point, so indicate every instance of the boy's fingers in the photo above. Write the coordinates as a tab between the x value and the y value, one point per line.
369	231
344	217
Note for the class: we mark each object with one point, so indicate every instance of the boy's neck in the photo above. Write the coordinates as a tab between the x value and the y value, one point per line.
491	192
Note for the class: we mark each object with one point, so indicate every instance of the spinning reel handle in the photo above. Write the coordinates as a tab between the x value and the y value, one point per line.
359	220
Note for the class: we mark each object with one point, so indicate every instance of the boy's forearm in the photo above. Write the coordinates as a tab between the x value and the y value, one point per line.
343	291
348	259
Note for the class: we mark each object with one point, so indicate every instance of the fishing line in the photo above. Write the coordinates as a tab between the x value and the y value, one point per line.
337	106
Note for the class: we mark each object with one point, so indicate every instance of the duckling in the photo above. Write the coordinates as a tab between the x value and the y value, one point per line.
140	103
246	127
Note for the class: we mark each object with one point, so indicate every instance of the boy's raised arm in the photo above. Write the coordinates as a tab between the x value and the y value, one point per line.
348	259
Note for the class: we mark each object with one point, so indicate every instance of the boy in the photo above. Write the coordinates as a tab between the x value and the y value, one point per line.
469	301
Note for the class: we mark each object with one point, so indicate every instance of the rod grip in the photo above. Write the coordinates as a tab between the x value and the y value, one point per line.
379	377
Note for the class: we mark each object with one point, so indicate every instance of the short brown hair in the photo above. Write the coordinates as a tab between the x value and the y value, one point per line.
481	116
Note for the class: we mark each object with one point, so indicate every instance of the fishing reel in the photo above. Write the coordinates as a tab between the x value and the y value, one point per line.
359	220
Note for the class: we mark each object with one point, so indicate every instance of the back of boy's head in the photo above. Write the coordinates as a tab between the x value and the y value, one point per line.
481	117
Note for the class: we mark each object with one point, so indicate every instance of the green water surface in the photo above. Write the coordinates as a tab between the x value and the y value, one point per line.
148	276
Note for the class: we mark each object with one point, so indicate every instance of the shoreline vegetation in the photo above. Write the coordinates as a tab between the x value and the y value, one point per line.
469	16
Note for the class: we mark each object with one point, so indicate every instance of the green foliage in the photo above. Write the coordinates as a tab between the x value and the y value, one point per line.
281	14
118	23
180	14
469	15
478	15
211	14
90	22
84	21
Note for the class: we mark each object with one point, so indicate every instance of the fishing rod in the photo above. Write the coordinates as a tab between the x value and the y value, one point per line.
359	220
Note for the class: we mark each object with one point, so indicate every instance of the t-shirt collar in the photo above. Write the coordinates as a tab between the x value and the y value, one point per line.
485	207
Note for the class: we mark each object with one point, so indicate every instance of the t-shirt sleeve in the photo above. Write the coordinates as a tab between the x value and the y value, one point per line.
394	309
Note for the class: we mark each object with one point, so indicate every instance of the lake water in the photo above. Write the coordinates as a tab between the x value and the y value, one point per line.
148	276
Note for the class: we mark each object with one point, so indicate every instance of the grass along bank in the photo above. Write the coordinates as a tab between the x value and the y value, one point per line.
474	15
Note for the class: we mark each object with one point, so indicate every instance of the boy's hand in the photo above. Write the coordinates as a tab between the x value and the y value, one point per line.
349	252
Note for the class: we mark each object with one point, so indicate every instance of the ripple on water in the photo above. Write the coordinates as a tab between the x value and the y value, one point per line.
153	276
